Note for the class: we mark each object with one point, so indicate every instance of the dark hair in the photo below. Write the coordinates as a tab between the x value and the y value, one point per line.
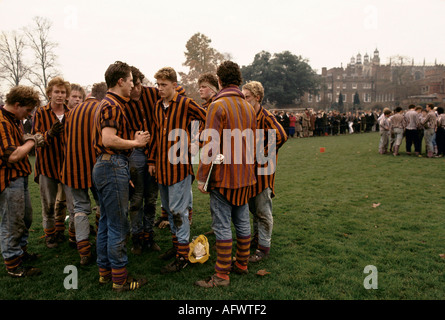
229	73
115	72
430	105
137	74
99	90
411	106
25	96
398	109
439	110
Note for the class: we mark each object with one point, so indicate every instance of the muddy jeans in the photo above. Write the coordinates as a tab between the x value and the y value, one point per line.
48	194
79	207
145	195
176	201
261	208
16	218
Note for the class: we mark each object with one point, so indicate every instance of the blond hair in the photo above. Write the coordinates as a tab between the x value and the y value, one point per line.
166	73
256	88
58	81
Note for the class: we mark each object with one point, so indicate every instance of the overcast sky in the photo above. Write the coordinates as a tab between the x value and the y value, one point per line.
152	34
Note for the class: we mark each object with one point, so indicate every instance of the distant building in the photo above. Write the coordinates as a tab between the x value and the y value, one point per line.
376	85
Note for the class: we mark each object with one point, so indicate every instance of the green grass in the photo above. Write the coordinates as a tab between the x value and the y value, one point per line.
326	232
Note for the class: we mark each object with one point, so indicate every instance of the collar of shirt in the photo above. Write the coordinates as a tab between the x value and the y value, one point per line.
166	105
231	90
119	98
9	115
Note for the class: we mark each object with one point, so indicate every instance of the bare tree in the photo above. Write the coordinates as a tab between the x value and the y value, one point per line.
44	66
12	67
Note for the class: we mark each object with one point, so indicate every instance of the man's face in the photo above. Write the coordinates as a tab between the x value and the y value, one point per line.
137	90
250	97
58	95
166	88
126	86
205	92
74	99
22	113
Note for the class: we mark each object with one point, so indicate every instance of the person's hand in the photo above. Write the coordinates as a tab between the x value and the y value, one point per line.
142	138
152	170
39	140
56	129
163	224
201	187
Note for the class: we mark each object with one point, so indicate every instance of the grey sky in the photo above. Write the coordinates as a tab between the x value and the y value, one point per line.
152	34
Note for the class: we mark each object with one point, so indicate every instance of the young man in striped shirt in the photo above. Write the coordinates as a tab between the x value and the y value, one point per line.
139	111
208	88
113	143
48	121
229	116
264	190
77	168
170	161
15	201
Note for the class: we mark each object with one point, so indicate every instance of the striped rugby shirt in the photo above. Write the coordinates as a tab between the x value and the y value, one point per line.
179	115
110	113
11	137
140	113
230	111
80	155
49	158
267	121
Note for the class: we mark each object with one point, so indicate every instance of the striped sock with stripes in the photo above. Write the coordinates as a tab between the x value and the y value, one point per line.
224	258
84	248
104	275
60	226
119	276
175	242
72	234
183	250
13	263
50	232
242	251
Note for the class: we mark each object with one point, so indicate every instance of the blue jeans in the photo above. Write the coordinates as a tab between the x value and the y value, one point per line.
16	218
112	179
261	208
176	200
144	197
223	213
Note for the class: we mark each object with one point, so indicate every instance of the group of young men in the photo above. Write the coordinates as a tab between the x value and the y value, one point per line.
415	124
127	143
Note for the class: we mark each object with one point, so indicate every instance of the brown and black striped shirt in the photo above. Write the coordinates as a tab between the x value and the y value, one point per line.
49	158
172	163
234	178
80	155
267	121
110	113
11	137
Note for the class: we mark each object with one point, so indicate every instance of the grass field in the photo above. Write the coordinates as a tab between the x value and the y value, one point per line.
335	213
